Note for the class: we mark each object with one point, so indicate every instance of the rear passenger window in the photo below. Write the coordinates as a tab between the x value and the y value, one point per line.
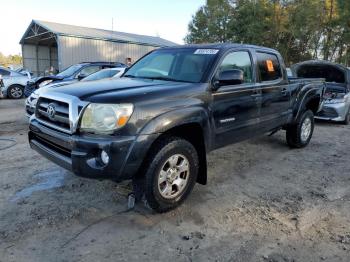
269	67
238	60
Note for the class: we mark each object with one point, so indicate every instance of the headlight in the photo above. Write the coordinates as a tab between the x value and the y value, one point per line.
44	83
334	98
105	118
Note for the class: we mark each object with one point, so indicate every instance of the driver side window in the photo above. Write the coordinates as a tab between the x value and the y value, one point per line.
238	60
89	70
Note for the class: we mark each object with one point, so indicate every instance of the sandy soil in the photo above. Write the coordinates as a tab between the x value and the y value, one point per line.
263	202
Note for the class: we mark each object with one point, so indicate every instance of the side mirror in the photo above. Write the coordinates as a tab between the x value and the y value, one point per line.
81	76
229	77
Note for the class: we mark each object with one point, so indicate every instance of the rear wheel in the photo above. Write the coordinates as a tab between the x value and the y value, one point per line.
15	92
171	173
299	134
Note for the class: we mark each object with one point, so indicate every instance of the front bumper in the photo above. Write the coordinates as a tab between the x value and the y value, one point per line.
81	154
334	112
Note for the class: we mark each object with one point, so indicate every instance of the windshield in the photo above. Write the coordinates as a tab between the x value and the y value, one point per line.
106	73
183	65
69	71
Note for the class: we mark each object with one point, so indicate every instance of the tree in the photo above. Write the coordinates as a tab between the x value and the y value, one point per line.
10	60
299	29
211	23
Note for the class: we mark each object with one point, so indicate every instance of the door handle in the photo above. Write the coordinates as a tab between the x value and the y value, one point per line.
284	91
256	95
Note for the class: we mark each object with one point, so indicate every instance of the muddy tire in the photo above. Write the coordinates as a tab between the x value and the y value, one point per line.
171	173
15	92
299	134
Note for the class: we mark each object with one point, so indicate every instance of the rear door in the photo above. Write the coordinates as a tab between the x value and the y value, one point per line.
236	107
274	88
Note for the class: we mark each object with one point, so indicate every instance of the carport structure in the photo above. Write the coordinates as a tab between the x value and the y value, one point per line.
46	44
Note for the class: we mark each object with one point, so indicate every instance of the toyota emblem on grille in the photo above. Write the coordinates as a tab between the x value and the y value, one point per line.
51	111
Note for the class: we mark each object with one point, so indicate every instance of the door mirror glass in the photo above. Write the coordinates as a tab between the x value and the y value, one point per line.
81	76
230	77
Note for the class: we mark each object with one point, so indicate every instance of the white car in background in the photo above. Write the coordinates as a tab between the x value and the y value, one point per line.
115	72
12	84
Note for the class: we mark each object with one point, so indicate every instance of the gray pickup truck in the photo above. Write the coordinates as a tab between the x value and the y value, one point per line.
157	123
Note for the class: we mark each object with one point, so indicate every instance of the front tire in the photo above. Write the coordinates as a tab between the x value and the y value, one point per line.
299	134
171	173
15	92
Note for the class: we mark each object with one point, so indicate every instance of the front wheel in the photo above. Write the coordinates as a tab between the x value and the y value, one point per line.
299	134
171	173
15	92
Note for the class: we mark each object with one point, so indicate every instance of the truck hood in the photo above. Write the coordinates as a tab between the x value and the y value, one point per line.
337	76
112	88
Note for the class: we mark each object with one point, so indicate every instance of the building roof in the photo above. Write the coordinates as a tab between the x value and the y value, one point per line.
95	33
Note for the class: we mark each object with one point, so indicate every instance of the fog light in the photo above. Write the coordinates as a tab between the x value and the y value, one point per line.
104	157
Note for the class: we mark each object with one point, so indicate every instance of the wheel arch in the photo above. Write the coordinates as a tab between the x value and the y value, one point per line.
191	124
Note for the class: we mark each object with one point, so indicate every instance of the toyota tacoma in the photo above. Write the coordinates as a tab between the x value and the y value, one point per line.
157	123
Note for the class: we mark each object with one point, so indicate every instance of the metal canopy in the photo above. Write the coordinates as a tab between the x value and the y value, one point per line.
38	35
39	32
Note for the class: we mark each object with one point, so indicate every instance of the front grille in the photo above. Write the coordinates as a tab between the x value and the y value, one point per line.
1	83
60	118
328	112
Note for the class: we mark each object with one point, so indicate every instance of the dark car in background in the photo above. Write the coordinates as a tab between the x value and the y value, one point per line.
337	96
156	124
71	74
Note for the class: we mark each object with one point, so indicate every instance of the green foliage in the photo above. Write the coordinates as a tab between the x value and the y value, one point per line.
10	60
299	29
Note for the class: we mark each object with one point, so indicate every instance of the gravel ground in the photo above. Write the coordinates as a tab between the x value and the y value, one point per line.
263	202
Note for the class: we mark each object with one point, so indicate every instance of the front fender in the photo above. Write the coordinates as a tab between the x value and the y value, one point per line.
179	117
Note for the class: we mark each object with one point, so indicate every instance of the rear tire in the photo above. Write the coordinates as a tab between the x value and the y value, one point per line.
15	91
171	173
299	134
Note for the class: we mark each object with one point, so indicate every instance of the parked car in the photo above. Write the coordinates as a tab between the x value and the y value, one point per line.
24	72
337	103
99	75
12	83
156	124
72	74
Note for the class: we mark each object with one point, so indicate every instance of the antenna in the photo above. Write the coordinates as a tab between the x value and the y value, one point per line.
112	49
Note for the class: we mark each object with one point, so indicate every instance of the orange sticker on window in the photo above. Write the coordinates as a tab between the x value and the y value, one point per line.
269	65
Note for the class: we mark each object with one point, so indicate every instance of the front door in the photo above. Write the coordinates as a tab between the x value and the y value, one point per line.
235	108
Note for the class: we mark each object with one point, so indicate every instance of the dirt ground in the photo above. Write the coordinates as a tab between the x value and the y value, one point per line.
263	202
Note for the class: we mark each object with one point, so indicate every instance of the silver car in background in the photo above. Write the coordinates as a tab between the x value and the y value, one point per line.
337	95
12	84
30	103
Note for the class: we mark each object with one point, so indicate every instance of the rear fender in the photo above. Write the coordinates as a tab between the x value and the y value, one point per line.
307	93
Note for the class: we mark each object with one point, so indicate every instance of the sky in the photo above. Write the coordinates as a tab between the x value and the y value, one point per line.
165	18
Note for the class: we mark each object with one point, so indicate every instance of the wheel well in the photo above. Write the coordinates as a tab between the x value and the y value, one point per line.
313	104
194	134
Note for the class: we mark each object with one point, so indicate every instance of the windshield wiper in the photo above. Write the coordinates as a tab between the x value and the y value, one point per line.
131	76
164	78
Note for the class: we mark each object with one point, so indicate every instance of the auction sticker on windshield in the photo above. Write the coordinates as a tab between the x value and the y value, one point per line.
206	51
